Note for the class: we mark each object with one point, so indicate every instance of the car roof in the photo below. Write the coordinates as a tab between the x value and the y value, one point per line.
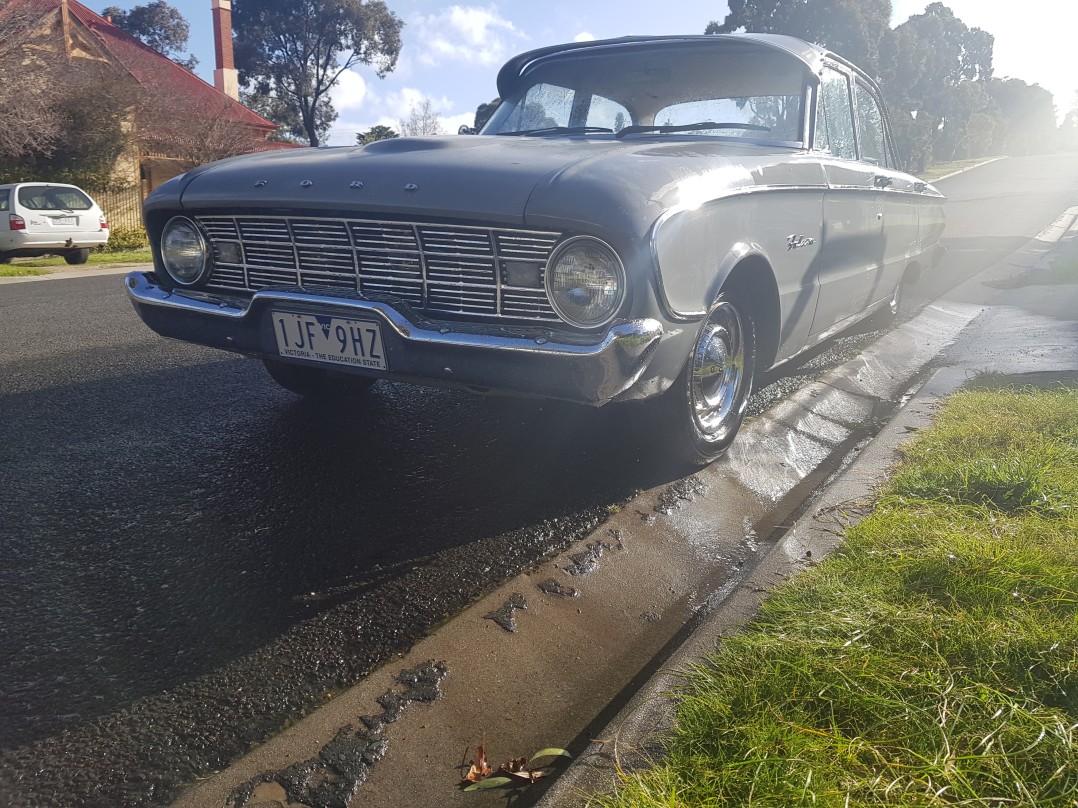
9	185
811	56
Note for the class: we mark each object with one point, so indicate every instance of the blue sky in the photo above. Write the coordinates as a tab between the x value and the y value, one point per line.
452	51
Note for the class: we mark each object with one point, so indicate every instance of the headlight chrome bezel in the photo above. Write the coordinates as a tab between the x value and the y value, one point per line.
615	268
201	246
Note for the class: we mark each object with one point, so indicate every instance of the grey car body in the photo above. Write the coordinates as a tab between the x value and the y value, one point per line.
644	218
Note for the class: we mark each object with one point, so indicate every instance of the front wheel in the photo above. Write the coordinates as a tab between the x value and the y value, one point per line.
77	256
316	382
703	410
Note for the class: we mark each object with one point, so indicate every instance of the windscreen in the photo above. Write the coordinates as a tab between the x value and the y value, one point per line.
743	91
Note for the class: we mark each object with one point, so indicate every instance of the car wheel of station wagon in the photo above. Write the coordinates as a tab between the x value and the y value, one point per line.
78	256
315	382
5	259
705	406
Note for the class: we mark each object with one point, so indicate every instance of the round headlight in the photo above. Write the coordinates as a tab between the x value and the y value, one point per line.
183	251
585	281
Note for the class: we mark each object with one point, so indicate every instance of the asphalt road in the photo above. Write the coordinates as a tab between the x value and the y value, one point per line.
192	557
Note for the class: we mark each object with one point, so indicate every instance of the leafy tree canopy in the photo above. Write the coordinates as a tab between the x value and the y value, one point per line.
853	28
484	111
157	24
289	122
295	51
378	132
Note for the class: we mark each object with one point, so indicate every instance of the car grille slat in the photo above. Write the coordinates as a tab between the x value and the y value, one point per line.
440	269
526	246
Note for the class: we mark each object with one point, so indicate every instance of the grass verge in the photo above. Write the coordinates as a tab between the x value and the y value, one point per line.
19	266
932	661
934	172
17	271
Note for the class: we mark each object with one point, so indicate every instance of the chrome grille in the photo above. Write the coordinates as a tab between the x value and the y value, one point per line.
439	269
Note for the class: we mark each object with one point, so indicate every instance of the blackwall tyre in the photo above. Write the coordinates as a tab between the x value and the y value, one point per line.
702	411
77	256
316	382
888	315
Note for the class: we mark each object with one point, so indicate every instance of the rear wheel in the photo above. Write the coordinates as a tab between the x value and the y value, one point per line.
703	410
316	382
77	256
887	315
5	258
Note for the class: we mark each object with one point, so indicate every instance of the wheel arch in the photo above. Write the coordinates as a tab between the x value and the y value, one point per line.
912	273
752	281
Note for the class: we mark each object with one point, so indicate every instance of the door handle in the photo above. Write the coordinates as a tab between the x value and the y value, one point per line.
880	181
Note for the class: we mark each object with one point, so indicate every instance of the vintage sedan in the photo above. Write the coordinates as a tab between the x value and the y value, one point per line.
643	218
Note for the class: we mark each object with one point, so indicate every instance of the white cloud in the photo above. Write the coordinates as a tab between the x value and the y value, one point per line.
452	123
389	110
584	36
472	34
399	104
349	92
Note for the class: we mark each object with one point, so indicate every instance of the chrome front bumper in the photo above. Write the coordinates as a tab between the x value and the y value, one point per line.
589	369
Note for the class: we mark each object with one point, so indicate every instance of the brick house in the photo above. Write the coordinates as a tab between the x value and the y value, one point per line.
176	119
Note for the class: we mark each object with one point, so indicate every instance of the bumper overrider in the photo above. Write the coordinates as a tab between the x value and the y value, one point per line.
588	368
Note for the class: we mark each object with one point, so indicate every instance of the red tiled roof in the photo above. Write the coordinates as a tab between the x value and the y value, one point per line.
156	72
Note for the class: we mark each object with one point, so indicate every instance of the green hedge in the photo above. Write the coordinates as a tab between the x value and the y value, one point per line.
122	239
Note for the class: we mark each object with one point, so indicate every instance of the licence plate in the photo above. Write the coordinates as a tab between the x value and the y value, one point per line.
68	220
337	340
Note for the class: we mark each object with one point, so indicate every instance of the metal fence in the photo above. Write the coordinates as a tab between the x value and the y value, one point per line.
121	208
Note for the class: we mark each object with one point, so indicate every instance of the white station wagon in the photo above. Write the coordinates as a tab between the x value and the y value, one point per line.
39	218
648	218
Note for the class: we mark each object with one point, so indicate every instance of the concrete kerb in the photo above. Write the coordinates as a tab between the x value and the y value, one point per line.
633	738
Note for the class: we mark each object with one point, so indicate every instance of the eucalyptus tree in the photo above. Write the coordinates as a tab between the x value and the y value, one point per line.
295	51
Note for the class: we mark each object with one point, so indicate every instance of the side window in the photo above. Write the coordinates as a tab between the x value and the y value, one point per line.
606	113
870	128
3	199
834	118
544	106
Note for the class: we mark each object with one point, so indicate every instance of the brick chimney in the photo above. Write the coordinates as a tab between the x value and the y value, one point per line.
224	77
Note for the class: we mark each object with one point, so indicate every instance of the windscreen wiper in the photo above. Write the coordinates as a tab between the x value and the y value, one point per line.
689	127
561	130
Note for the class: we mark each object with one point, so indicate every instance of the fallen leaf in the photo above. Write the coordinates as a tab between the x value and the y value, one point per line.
480	769
551	751
490	782
514	765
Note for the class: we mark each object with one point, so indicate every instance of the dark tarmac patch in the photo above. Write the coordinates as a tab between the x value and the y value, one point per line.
553	587
587	561
677	494
505	616
331	778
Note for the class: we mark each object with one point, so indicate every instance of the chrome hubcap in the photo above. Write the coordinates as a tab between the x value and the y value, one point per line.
718	370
